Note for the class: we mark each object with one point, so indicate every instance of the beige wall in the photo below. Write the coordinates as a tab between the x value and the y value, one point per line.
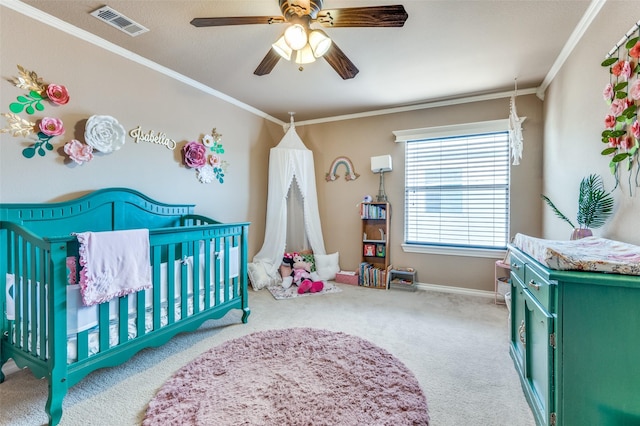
569	123
104	83
574	117
360	139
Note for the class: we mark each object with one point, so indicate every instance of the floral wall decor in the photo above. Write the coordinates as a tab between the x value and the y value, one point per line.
102	133
205	156
46	128
621	127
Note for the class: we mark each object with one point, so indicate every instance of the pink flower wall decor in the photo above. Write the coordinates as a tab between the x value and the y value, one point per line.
621	134
78	152
205	157
57	94
51	126
33	102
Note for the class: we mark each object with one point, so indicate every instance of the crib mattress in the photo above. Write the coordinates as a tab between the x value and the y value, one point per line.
593	254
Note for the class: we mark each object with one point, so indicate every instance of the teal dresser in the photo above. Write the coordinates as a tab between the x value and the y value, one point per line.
575	342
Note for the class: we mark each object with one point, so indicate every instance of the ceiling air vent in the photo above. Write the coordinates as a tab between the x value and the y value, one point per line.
119	21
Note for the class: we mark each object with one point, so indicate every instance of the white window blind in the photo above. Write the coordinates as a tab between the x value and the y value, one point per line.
457	191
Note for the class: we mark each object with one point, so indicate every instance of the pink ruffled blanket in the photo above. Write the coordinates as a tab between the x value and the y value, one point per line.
114	263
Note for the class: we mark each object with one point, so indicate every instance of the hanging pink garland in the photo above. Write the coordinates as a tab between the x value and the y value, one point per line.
622	94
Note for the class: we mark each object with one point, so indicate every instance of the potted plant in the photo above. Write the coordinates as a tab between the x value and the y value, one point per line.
595	206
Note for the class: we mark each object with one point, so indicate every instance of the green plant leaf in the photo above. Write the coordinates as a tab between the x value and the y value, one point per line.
619	157
22	99
609	151
632	42
29	110
41	151
620	119
39	106
595	205
620	86
609	61
621	95
29	152
48	146
617	133
556	211
35	95
16	108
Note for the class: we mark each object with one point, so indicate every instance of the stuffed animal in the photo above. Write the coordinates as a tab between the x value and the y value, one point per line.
301	269
299	263
310	286
286	271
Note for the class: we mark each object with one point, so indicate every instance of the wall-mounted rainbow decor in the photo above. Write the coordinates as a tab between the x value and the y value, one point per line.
351	174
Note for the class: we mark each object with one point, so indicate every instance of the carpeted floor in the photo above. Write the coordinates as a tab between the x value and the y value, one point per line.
456	346
294	376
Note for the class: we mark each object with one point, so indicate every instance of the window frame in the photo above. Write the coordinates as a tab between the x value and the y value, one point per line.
456	130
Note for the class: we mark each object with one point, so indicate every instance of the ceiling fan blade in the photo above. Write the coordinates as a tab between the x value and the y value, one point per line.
236	20
374	16
267	64
339	62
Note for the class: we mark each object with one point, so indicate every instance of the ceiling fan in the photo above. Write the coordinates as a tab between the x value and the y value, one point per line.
308	43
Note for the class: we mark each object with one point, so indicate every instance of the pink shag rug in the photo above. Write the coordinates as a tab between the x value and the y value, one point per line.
297	376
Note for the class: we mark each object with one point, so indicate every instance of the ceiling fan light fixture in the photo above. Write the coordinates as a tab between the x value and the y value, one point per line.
319	42
305	55
296	36
282	48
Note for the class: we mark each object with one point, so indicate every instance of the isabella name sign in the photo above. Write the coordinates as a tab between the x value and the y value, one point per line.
159	138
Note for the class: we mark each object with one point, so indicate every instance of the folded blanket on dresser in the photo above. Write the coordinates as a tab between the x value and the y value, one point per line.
114	263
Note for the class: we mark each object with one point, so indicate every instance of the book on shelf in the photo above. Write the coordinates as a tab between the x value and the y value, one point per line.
372	211
370	276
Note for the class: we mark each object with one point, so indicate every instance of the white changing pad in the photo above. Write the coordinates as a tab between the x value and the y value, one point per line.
592	254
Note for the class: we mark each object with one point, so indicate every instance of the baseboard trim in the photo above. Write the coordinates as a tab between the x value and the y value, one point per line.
455	290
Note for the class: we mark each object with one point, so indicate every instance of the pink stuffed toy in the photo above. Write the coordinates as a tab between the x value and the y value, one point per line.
310	286
301	269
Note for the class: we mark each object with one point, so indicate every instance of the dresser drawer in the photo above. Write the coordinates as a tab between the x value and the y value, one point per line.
539	287
517	267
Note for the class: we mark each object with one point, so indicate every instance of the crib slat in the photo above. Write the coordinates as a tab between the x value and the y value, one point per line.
44	259
140	313
123	319
32	283
171	285
216	274
199	266
157	291
103	326
82	345
207	274
184	281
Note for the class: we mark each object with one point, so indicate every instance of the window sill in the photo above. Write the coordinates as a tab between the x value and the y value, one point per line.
454	251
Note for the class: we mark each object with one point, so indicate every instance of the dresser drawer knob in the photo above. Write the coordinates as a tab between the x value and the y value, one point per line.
533	284
515	266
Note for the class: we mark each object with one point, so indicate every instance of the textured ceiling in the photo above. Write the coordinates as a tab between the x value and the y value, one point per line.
447	49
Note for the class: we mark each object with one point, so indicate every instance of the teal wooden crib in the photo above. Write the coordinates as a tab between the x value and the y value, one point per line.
198	271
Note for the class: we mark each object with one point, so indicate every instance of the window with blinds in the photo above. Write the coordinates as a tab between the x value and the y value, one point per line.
457	191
